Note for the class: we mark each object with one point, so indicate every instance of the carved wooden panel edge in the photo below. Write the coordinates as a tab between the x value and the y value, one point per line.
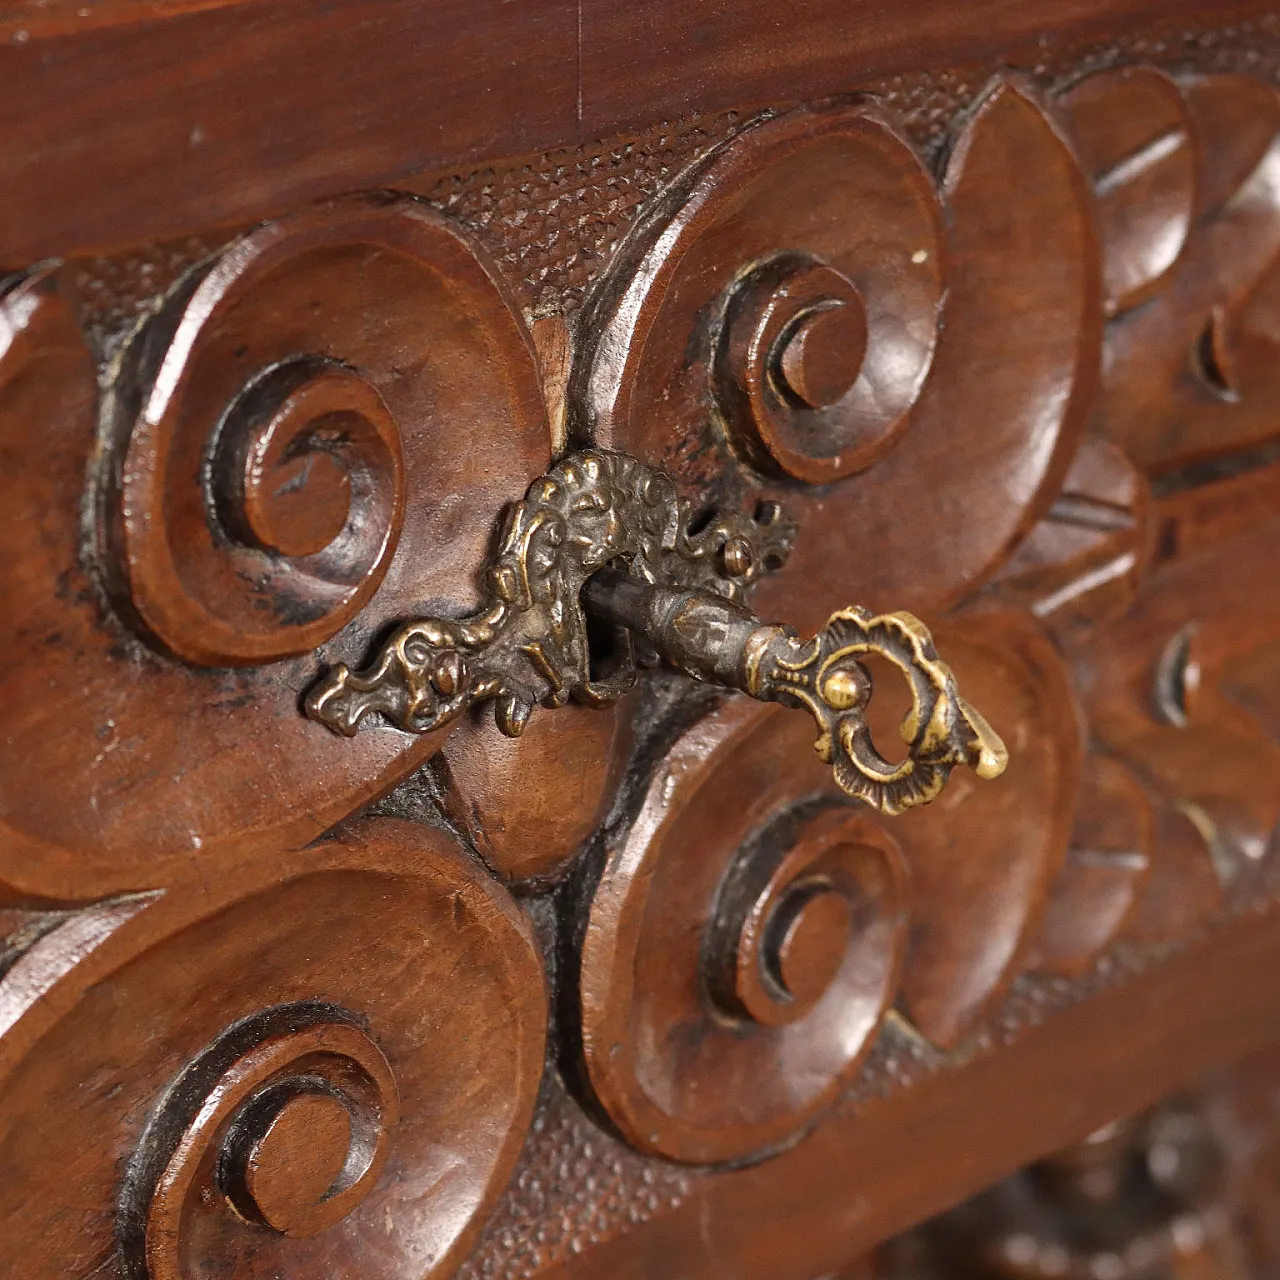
284	396
1179	1186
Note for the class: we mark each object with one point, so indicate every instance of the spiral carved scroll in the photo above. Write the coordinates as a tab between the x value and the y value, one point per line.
817	240
326	1065
807	318
260	493
285	469
287	1118
744	941
270	1062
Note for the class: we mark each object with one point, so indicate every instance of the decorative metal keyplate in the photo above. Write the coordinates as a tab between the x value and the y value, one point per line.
606	535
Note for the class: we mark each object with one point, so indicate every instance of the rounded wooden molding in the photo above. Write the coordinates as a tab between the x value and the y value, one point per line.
742	946
528	804
328	1061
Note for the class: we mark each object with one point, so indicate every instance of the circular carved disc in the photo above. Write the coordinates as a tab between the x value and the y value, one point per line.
117	753
382	977
725	997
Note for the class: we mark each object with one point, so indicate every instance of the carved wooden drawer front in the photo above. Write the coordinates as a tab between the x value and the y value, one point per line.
672	709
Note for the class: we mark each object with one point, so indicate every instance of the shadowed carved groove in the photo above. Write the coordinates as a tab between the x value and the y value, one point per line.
222	1129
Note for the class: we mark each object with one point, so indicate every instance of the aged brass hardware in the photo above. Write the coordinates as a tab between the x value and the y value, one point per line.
603	535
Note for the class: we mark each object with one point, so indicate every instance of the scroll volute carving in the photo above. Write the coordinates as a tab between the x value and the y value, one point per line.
749	930
282	471
1186	177
742	943
818	350
772	330
263	1078
300	394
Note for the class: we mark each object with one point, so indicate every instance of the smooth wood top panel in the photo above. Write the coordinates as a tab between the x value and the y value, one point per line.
124	121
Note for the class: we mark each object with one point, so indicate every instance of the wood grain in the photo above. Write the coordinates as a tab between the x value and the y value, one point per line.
237	110
1003	347
208	1008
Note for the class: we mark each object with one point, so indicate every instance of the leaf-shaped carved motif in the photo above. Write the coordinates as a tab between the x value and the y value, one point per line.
1187	181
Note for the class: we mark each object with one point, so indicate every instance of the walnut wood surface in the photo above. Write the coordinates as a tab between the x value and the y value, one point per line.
126	120
1176	1190
988	309
1054	1086
134	717
343	1004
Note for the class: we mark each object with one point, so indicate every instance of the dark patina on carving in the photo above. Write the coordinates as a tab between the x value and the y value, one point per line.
604	536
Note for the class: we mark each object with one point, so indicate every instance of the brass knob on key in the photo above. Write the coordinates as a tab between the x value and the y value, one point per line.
604	533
